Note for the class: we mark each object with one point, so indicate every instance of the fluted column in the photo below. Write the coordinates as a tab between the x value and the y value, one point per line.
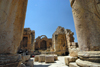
86	14
12	17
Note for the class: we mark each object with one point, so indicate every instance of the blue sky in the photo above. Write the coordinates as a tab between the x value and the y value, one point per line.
44	16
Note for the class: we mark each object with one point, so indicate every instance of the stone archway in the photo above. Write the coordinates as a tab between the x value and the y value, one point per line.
43	45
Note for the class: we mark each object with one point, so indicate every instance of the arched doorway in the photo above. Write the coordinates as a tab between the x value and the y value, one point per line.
43	45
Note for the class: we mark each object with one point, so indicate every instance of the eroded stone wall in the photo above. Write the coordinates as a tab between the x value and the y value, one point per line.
61	40
27	43
43	43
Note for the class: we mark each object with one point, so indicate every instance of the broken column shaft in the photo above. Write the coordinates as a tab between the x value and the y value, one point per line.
86	15
12	17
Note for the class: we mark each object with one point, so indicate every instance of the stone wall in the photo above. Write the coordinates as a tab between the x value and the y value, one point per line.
43	43
27	43
61	40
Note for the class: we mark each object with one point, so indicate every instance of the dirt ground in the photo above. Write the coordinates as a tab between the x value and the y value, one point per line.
59	63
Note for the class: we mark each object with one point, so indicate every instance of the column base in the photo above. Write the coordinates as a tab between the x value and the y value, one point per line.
87	63
10	60
93	56
89	59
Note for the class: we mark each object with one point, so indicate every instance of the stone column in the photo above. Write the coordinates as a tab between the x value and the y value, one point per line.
86	15
12	17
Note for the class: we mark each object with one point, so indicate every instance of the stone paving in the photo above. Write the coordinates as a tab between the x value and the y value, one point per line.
59	63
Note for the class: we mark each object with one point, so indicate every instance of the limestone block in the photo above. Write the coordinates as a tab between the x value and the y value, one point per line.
73	64
69	59
87	63
49	59
25	58
55	57
73	52
27	66
41	58
36	57
22	65
93	56
30	63
58	53
11	60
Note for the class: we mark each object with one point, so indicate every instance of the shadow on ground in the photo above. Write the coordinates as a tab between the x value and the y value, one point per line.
41	65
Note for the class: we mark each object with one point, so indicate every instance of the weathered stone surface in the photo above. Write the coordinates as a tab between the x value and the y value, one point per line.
10	59
30	63
12	17
25	58
22	65
55	57
36	57
87	63
27	43
73	64
73	45
49	58
86	15
43	43
59	40
41	58
69	59
93	56
16	64
73	52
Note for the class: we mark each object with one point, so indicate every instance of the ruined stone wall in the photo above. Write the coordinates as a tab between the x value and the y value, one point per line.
43	43
27	43
59	42
62	40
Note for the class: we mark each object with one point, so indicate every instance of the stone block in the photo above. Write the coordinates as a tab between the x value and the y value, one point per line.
25	58
55	57
73	52
10	60
69	59
30	63
58	53
49	59
36	57
73	64
22	65
83	63
93	56
41	58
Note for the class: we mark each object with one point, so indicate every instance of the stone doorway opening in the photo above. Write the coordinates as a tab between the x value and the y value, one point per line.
43	45
25	40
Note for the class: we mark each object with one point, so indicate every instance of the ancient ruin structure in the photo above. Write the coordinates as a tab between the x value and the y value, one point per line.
61	40
86	15
27	43
12	17
43	43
